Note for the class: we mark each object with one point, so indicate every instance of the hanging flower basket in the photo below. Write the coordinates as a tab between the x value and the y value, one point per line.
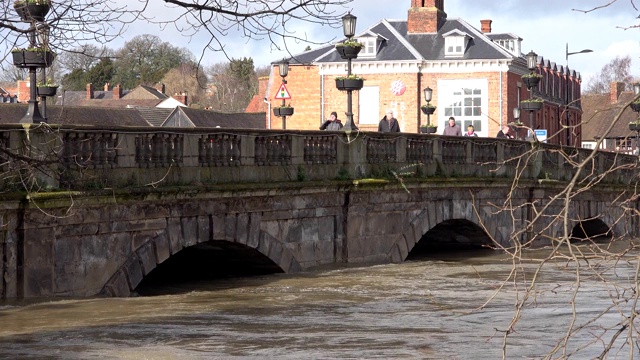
33	58
428	129
531	81
530	105
634	126
348	52
428	110
47	90
283	111
635	106
349	84
29	10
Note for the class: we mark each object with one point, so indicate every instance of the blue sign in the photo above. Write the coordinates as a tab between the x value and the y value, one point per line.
541	134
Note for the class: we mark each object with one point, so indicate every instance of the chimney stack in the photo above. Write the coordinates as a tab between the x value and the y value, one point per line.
486	26
117	92
160	88
182	97
106	86
616	88
425	16
90	91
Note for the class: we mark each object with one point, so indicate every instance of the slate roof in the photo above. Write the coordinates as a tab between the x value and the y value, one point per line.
398	45
208	118
598	112
12	113
153	115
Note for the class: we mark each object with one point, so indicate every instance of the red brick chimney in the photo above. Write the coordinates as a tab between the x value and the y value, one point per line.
117	92
616	88
486	26
90	91
425	16
106	86
182	97
23	90
160	88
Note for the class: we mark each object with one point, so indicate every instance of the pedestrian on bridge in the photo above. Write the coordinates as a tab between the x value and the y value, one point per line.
470	131
333	123
452	129
389	123
505	133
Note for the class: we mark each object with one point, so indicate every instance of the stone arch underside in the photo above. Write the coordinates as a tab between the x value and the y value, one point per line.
159	248
450	212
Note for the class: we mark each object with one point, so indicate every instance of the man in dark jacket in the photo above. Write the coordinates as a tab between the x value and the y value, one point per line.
389	123
333	123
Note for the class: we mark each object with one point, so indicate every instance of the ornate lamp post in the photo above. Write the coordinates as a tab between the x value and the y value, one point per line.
531	80
567	99
283	68
349	28
37	55
428	109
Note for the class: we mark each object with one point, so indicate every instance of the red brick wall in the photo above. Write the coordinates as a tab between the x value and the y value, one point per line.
304	85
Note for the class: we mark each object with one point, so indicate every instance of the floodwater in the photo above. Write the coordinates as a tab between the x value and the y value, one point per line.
453	307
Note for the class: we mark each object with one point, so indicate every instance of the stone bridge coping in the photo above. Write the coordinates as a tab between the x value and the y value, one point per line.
123	156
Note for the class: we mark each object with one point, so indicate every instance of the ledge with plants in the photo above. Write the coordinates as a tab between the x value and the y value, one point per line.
351	82
349	49
33	57
428	109
428	129
48	88
285	110
531	79
531	104
32	10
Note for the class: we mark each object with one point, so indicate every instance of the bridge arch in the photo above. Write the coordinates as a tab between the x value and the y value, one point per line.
155	251
592	229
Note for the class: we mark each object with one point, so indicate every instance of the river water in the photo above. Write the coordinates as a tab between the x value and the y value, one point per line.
451	307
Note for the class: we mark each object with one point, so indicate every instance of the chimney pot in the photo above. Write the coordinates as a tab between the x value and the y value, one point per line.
486	26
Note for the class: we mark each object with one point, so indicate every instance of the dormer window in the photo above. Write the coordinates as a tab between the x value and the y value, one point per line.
369	47
455	43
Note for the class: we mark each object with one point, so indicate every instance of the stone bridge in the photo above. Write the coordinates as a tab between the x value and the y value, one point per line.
97	210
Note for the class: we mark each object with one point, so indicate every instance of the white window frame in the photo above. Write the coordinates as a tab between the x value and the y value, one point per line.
369	47
369	105
455	45
467	100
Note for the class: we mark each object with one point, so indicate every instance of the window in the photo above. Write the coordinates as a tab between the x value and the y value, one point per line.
369	105
466	100
369	47
455	45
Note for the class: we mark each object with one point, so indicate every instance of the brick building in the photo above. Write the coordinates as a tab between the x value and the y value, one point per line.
475	76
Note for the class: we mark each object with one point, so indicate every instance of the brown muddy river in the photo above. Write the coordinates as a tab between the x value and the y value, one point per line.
454	307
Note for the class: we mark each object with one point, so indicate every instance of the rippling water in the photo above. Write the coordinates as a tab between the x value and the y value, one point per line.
451	308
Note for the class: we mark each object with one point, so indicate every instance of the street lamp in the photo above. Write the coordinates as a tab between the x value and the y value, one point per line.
428	93
349	28
283	68
566	93
516	118
532	64
43	36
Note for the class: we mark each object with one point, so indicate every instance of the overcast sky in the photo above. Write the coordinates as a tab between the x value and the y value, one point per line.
545	26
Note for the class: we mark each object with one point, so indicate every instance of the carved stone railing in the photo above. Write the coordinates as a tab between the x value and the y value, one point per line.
381	150
321	149
140	156
90	149
219	150
273	150
159	150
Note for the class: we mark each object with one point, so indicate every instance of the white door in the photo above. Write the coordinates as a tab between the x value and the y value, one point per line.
369	106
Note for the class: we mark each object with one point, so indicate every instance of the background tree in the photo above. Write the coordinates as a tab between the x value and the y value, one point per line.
146	59
187	78
233	85
619	69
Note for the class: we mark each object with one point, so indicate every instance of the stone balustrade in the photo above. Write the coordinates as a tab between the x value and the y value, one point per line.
116	157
